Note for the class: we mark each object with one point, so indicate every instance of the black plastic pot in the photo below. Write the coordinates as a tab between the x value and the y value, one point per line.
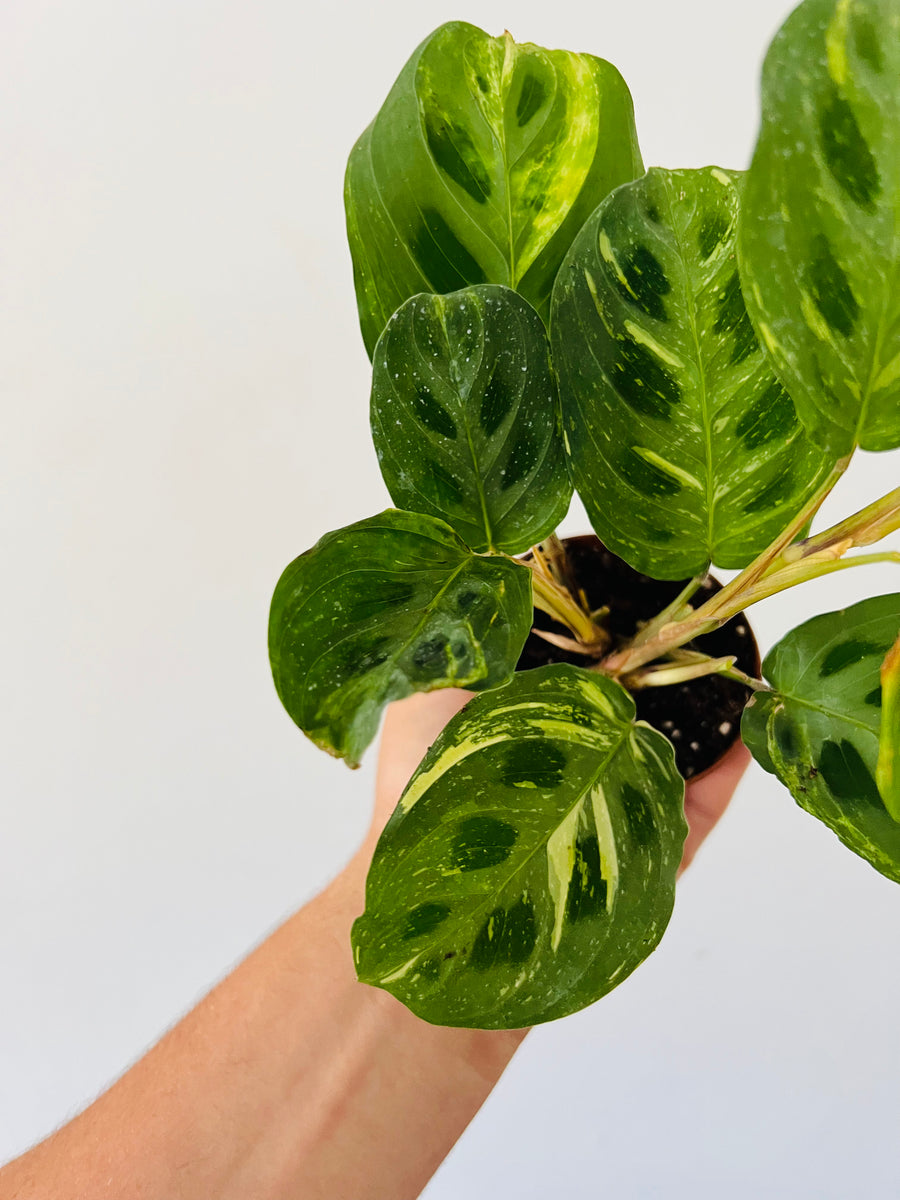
702	717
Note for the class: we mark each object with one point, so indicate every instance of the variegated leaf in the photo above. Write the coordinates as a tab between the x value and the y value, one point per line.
683	445
530	864
887	774
389	606
482	165
818	730
820	242
465	417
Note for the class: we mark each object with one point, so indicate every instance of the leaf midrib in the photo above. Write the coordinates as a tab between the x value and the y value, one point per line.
701	368
826	712
464	413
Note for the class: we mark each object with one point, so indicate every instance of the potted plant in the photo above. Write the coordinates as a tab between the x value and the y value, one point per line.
699	353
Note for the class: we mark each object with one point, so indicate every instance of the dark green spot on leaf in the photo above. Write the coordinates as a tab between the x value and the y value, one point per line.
531	98
424	919
455	153
645	477
639	815
643	382
506	938
775	493
371	656
587	887
658	537
848	654
846	775
771	417
847	153
533	762
785	739
830	289
865	38
430	655
482	842
444	260
496	401
732	319
431	414
713	231
521	462
646	281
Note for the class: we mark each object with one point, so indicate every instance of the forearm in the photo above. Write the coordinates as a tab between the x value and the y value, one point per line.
289	1080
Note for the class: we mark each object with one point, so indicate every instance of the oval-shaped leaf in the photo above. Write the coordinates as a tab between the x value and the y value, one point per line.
389	606
465	417
887	775
683	445
822	723
820	252
530	864
481	166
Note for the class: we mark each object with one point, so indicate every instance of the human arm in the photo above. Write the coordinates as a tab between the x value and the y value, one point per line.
290	1079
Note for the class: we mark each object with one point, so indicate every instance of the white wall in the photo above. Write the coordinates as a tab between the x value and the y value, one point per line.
184	398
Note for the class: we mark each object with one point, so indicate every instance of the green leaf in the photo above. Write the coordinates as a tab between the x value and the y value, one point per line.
820	251
465	417
530	864
755	728
482	165
887	774
822	723
389	606
683	445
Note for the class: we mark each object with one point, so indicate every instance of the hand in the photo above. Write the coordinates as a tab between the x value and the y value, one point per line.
411	725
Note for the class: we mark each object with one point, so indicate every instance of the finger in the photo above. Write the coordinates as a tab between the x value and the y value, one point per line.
707	798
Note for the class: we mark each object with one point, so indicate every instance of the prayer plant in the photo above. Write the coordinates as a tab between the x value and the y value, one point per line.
698	353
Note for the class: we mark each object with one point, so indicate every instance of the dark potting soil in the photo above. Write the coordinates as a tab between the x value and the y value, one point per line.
702	717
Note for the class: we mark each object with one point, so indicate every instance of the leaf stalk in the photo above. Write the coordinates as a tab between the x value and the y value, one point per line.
557	602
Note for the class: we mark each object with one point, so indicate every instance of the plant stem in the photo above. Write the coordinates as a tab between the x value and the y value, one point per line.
736	595
863	528
555	553
691	664
553	592
760	566
589	649
675	634
556	601
676	611
802	572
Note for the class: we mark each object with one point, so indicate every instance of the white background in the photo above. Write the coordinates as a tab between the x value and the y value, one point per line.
184	398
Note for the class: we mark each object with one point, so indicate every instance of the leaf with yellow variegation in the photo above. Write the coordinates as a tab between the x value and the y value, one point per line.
887	773
530	864
485	160
820	252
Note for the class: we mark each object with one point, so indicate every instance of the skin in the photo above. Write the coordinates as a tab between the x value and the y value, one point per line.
291	1080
